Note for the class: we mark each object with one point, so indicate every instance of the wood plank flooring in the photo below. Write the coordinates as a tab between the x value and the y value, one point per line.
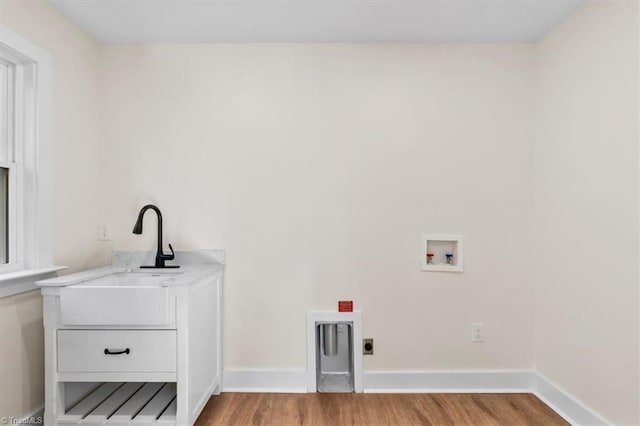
377	409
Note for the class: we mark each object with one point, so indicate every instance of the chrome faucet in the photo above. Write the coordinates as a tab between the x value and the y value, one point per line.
160	256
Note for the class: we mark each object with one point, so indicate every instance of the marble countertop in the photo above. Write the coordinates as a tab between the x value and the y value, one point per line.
194	265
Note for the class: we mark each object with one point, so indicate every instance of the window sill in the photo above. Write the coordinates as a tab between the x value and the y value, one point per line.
12	283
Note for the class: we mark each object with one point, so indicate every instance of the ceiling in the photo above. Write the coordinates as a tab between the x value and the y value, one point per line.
202	21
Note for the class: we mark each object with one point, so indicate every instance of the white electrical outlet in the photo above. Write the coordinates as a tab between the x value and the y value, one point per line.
477	332
105	233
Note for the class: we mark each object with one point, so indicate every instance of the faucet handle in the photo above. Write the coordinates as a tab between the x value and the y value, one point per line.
169	256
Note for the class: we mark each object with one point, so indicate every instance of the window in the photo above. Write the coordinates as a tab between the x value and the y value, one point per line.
10	177
25	158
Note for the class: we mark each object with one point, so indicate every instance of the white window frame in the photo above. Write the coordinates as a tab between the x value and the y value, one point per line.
33	212
14	132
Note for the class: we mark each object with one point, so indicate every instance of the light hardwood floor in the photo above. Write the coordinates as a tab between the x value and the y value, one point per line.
377	409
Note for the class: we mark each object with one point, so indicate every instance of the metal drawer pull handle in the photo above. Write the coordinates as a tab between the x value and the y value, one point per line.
109	352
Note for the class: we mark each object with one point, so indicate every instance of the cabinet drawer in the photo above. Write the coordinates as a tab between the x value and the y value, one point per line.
116	351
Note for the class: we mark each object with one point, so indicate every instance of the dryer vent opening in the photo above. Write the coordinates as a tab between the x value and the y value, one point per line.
334	357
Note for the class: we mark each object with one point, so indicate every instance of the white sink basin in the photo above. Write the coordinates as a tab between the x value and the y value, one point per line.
120	298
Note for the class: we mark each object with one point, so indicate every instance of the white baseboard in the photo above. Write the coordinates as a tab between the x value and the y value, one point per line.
473	381
563	403
294	381
264	380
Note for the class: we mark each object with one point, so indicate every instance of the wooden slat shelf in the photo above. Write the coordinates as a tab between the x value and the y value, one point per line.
125	403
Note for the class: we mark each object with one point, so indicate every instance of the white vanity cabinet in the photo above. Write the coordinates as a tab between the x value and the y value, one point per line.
130	346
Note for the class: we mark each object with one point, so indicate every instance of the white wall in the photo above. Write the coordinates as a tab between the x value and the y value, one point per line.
586	199
318	167
21	355
76	138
